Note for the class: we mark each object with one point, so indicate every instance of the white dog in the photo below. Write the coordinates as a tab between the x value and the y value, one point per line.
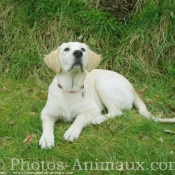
79	92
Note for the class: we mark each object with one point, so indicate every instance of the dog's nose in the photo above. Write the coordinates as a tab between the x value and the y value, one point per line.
78	53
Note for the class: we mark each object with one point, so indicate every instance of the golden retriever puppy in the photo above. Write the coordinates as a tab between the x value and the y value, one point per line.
79	92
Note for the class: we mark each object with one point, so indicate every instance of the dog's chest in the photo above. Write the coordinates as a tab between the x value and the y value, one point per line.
72	105
69	104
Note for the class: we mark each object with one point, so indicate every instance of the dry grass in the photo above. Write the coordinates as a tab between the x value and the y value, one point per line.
143	44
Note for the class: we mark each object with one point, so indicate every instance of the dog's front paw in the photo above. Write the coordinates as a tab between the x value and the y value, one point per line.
46	141
72	134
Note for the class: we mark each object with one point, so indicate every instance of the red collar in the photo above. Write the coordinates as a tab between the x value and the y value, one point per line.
72	92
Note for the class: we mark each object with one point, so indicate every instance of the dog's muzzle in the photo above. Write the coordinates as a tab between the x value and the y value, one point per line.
78	53
77	59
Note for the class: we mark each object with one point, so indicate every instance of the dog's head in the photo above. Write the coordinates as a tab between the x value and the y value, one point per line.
72	56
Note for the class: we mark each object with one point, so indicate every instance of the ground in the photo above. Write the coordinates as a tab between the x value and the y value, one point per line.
120	8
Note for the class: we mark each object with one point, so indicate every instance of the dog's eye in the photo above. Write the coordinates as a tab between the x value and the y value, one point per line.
83	49
66	49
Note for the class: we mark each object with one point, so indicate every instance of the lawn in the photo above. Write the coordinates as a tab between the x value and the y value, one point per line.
142	48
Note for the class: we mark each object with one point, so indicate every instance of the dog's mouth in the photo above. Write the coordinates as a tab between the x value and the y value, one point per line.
77	65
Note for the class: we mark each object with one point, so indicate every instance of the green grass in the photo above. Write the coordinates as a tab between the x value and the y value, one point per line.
130	138
142	49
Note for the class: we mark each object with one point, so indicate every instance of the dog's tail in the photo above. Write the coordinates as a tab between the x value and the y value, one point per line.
140	105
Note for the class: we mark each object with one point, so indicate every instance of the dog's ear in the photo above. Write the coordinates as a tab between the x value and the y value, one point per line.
52	60
94	60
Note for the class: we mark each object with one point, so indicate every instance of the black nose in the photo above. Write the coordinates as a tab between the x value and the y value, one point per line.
78	53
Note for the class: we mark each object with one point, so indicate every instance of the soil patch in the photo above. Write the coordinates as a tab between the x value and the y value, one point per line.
120	8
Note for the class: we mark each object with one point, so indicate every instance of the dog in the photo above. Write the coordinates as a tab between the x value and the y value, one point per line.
80	92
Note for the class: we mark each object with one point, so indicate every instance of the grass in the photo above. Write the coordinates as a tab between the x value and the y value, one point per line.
141	48
130	138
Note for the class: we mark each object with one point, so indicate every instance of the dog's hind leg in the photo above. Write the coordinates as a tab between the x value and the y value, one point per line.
107	95
140	105
113	111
